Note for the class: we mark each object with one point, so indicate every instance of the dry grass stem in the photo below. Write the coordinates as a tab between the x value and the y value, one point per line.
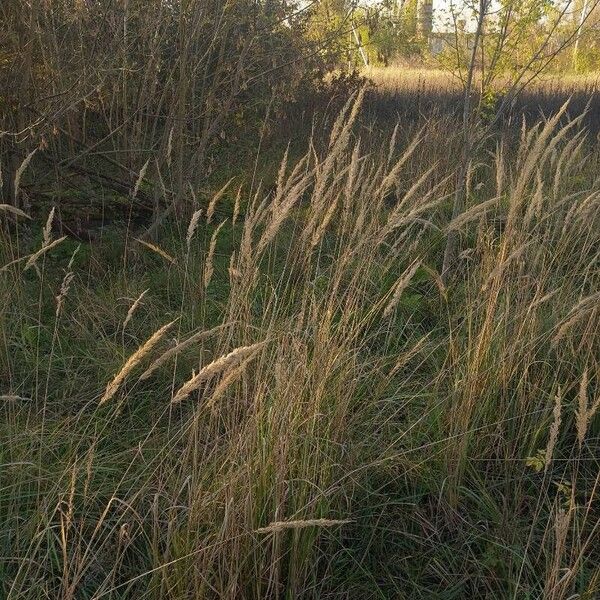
181	347
216	367
133	361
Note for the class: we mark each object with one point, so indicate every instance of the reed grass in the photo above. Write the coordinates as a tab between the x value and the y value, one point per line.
362	428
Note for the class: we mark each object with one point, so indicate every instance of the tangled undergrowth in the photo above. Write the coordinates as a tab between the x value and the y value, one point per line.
282	399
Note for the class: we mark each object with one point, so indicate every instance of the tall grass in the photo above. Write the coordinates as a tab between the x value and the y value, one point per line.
415	94
322	417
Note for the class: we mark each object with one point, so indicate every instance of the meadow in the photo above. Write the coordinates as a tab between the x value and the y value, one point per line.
277	395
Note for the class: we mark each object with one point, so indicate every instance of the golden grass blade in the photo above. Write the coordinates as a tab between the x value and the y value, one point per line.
220	365
21	170
400	287
158	250
278	526
134	360
171	352
133	308
33	258
14	210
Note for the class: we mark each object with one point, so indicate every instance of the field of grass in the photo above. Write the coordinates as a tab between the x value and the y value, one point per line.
280	398
412	93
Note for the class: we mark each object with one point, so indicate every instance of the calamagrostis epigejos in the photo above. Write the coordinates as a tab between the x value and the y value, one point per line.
133	308
133	361
175	350
217	366
14	210
21	170
401	286
283	525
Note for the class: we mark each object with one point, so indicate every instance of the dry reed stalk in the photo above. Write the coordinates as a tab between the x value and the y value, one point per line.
21	170
278	526
47	231
500	169
236	207
213	203
169	147
220	365
139	180
156	249
473	213
208	266
133	361
133	308
584	412
579	310
228	380
14	210
400	286
192	228
33	258
171	352
554	429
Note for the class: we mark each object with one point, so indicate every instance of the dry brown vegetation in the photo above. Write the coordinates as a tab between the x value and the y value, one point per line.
264	388
348	407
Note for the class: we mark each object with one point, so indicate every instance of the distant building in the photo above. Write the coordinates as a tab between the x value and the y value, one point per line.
441	41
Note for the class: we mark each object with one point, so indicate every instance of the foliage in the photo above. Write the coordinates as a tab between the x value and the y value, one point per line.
344	421
164	82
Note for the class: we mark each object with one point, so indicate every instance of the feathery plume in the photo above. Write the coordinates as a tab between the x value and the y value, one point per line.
134	360
208	266
14	210
21	170
278	526
33	258
554	429
213	203
217	366
133	308
140	178
175	350
156	249
47	231
192	228
400	286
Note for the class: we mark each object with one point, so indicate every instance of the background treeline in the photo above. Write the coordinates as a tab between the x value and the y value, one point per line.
103	89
